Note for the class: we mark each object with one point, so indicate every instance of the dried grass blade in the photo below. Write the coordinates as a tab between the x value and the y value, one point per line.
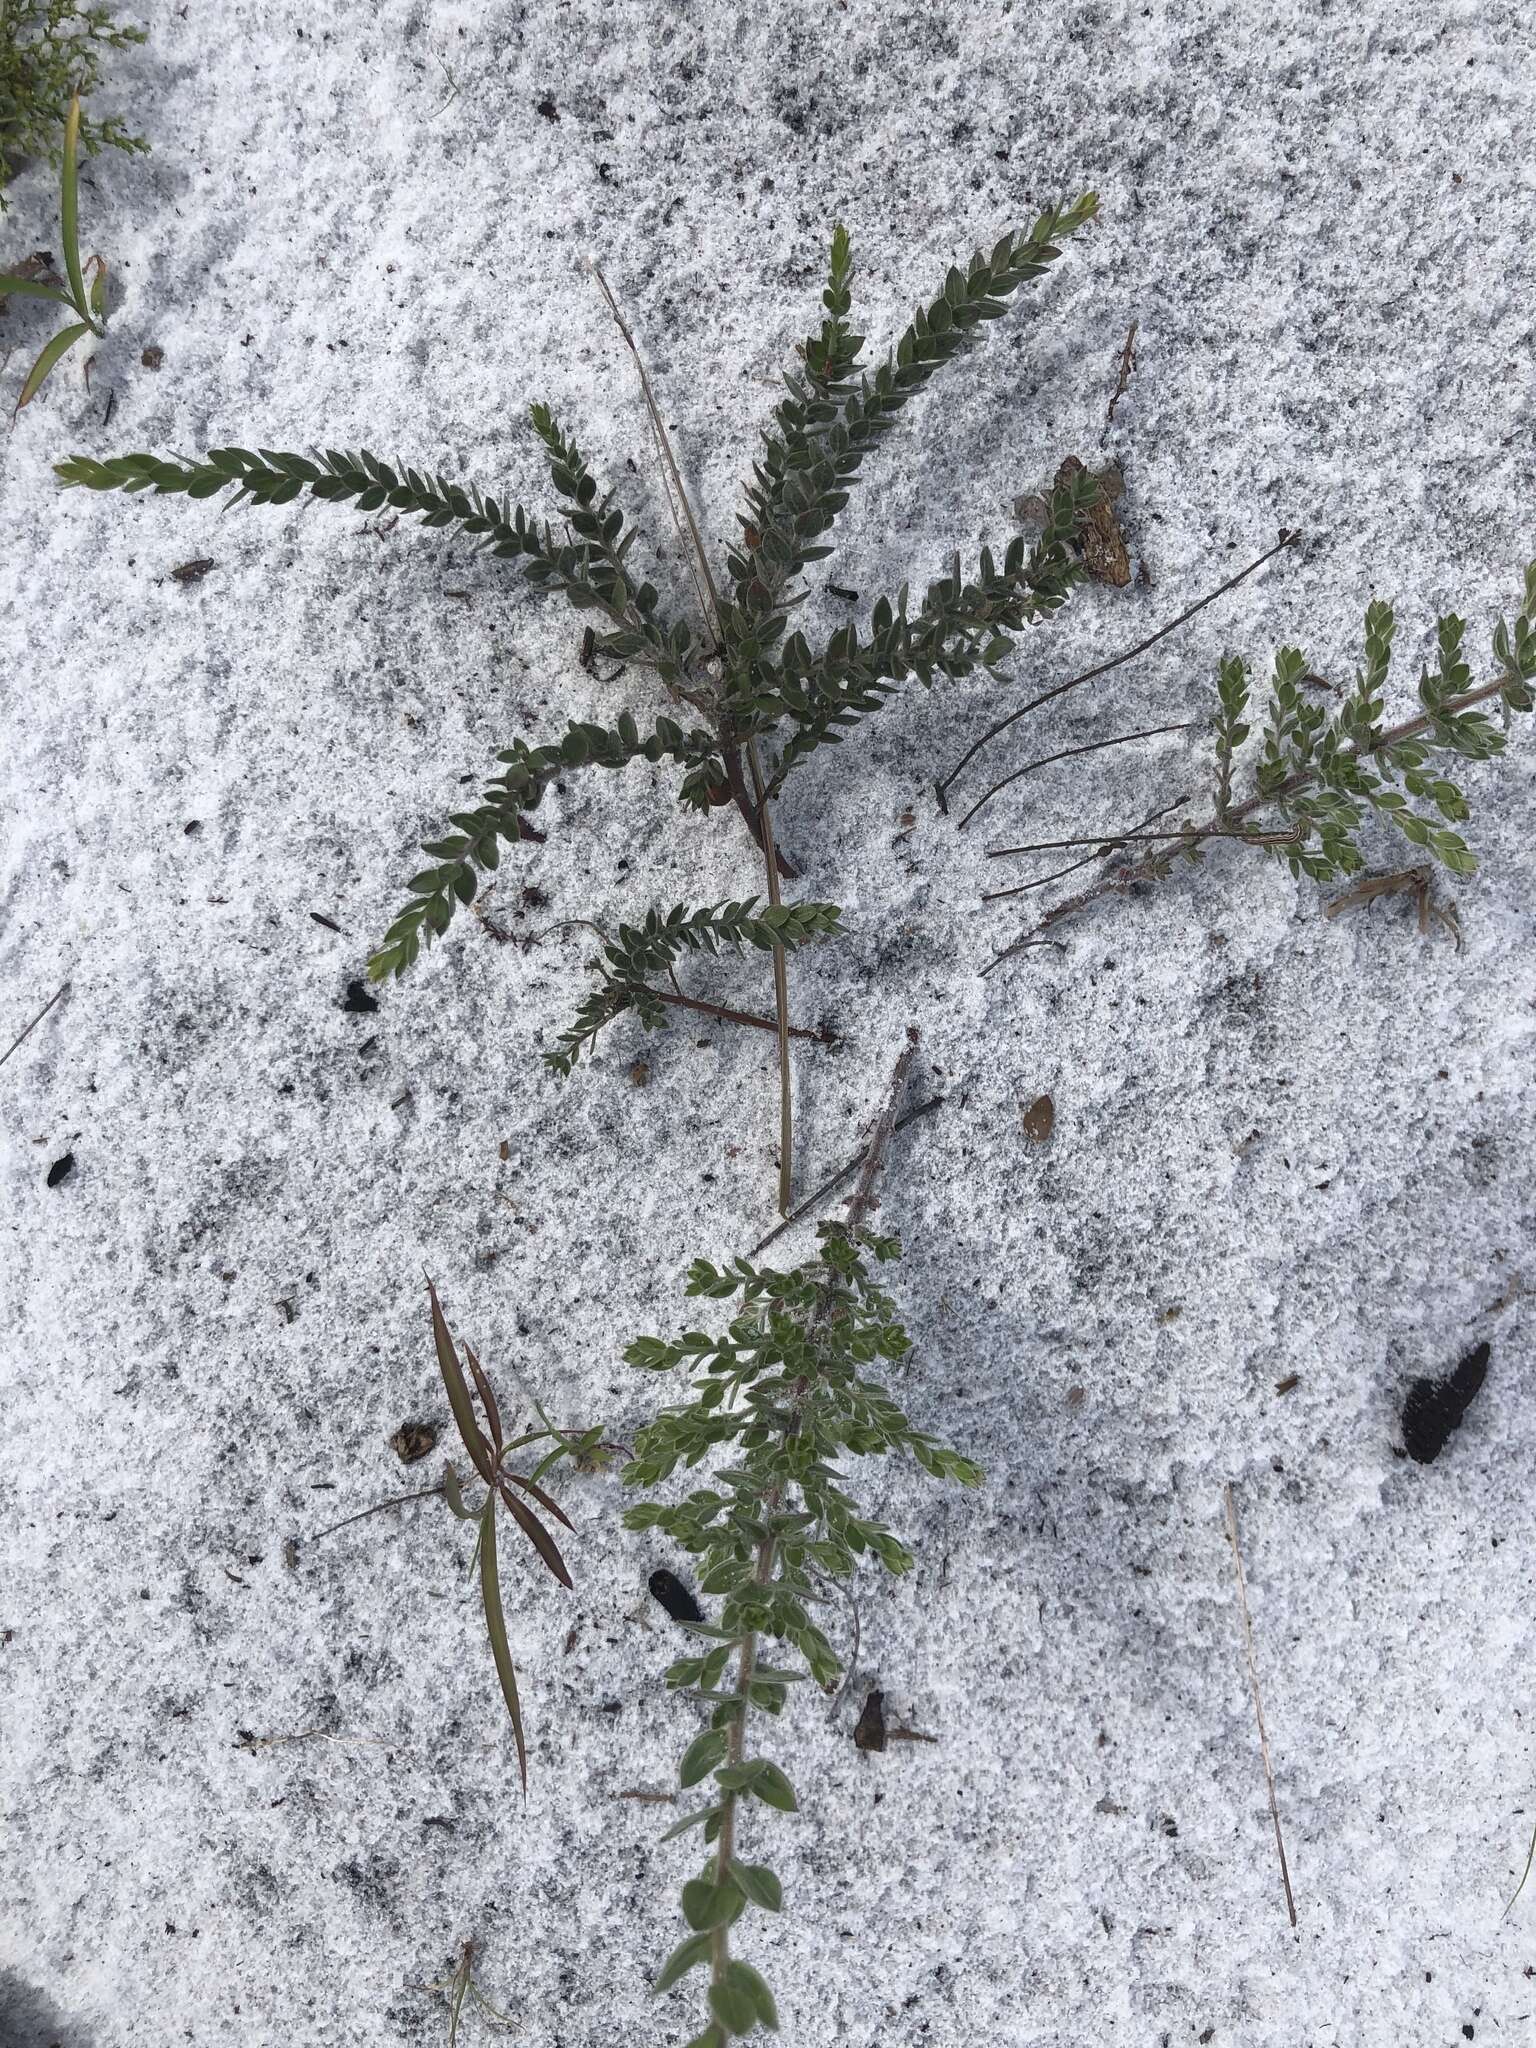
537	1535
546	1501
496	1628
487	1399
458	1393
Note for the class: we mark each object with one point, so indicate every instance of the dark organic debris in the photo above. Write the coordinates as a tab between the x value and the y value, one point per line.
677	1599
61	1169
357	999
869	1729
153	357
413	1440
1433	1409
1104	551
193	571
1040	1120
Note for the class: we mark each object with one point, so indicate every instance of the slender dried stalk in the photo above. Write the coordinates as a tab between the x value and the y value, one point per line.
22	1036
1120	739
729	1016
708	595
831	1185
1287	539
1258	1703
780	986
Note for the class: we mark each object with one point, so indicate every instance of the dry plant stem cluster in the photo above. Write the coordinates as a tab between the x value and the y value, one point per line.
761	698
1319	777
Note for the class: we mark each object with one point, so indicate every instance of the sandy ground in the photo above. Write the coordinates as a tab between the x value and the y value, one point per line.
251	1801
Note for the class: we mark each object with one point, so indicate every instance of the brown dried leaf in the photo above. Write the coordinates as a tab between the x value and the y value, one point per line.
412	1441
1040	1120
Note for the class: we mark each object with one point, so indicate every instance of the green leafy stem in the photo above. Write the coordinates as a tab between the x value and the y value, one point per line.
1320	776
785	1390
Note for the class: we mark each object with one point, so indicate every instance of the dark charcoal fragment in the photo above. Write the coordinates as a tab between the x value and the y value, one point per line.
1432	1409
61	1169
358	1000
675	1597
869	1729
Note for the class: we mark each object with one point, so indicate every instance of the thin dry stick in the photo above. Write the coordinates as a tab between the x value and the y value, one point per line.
1121	739
1287	539
1103	850
709	597
728	1016
42	1013
1201	832
1520	1887
836	1180
1258	1704
1122	380
378	1508
862	1200
680	507
780	985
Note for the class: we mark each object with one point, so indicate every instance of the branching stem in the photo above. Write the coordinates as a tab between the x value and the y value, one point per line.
729	1016
1287	539
1154	866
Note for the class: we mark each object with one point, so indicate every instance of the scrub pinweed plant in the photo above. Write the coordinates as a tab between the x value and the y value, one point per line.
1322	774
785	1391
750	699
87	302
489	1449
50	55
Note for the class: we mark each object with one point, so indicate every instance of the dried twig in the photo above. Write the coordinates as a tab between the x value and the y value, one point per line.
1258	1703
1120	739
691	540
398	1501
1122	379
850	1167
23	1036
818	1032
1287	539
1530	1859
1417	882
863	1198
681	509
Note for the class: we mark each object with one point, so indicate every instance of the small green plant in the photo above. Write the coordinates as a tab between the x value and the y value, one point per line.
758	699
785	1393
489	1451
50	56
1323	773
88	304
